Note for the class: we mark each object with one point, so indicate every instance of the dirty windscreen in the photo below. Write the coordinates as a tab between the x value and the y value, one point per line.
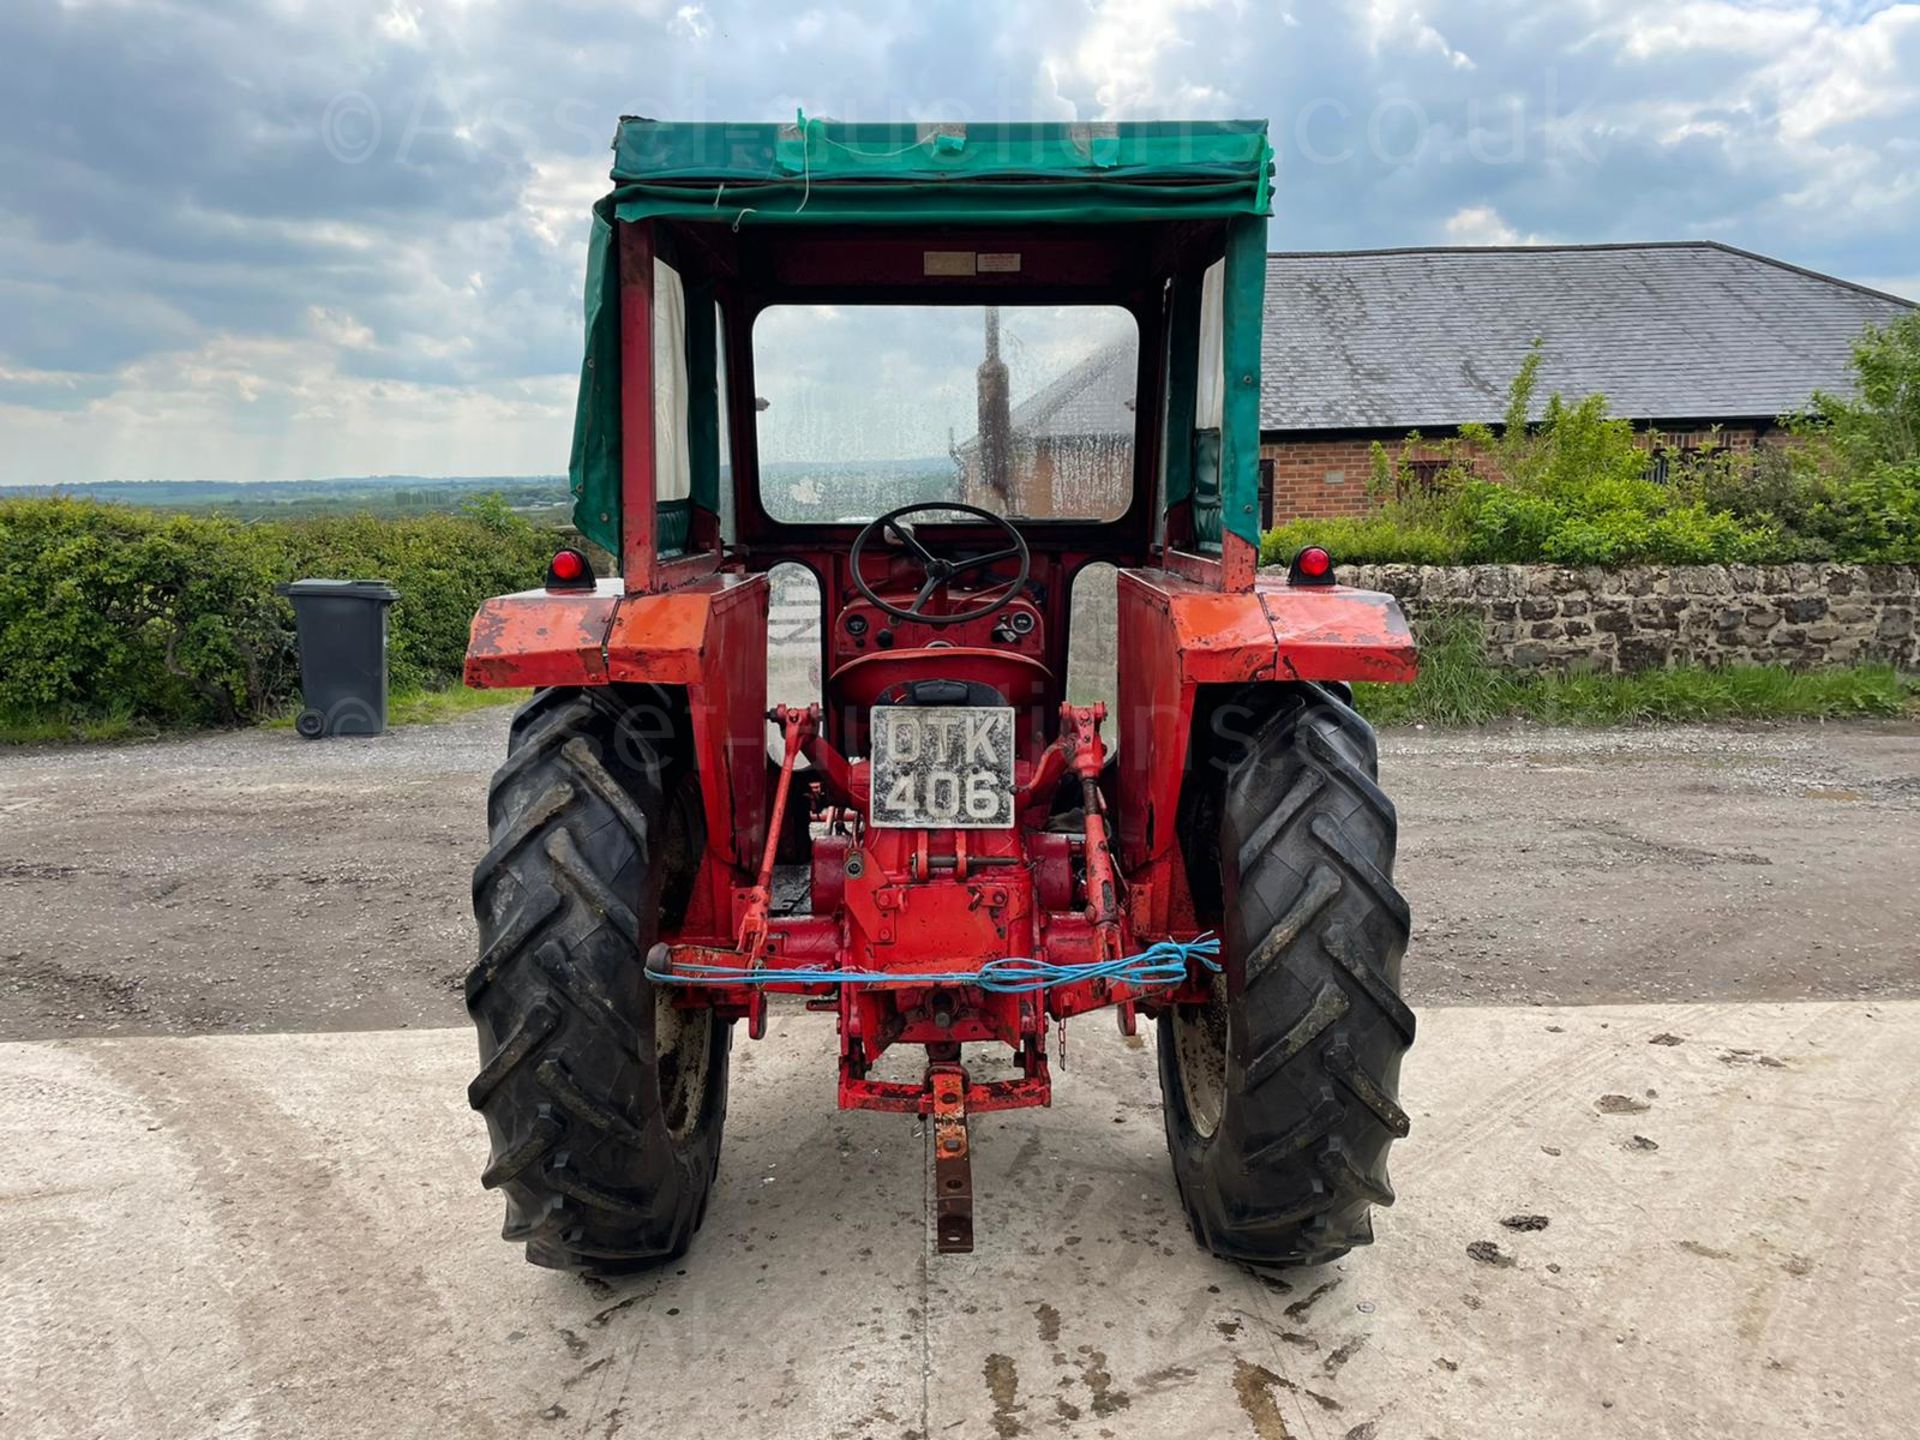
1027	411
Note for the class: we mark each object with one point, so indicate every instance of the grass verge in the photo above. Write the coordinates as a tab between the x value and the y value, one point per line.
425	707
95	730
428	707
1458	686
409	707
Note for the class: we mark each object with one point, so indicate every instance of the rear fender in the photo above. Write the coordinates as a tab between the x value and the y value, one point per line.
708	639
1176	636
539	637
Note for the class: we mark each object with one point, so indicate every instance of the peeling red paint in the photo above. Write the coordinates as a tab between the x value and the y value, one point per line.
1178	634
1334	633
540	638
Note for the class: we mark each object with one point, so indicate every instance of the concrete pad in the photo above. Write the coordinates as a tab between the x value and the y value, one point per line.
275	1235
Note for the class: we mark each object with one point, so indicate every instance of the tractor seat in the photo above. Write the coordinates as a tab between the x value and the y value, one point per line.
942	692
941	675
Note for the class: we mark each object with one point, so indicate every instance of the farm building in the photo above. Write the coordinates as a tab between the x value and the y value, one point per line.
1698	343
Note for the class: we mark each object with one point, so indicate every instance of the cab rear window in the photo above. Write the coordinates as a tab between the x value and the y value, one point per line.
1026	410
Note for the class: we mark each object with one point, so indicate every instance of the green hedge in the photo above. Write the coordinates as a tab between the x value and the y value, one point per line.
115	614
1871	519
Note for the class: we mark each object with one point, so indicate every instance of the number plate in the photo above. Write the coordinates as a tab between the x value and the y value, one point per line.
943	767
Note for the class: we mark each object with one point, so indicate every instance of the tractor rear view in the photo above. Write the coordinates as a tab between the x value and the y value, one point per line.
943	369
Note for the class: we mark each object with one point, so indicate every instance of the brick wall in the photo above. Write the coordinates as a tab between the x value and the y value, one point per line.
1319	477
1315	477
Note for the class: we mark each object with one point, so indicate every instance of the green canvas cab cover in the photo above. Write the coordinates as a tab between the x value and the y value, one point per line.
813	172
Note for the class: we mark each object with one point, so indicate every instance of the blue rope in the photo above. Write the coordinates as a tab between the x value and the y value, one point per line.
1163	963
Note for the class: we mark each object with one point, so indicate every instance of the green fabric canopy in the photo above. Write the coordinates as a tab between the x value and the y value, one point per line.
822	172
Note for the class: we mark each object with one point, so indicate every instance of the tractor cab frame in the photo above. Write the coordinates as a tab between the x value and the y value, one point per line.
793	876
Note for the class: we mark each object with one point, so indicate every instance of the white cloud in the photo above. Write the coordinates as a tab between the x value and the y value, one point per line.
1665	30
1791	86
1482	225
401	24
339	328
1396	22
1133	55
693	22
252	409
1813	68
558	197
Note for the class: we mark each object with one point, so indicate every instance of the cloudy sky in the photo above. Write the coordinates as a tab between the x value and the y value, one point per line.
324	237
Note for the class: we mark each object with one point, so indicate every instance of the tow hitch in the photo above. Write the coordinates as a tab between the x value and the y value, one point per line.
952	1162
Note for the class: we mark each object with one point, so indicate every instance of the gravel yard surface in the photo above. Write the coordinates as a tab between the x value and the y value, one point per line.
255	881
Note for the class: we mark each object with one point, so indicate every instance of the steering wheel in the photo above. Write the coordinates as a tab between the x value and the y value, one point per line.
939	571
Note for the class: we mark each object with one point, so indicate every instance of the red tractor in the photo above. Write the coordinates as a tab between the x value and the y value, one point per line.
943	369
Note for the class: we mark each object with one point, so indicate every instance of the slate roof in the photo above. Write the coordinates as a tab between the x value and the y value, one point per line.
1095	397
1397	339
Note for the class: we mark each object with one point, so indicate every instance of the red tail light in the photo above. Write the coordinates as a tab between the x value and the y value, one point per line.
1312	566
569	570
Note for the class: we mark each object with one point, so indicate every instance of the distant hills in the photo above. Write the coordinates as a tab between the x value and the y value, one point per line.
212	492
815	490
793	491
543	498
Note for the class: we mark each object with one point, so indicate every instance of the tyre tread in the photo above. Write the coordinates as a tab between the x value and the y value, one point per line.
565	895
1293	1170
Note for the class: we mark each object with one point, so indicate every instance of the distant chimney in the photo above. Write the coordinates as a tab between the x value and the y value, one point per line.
995	419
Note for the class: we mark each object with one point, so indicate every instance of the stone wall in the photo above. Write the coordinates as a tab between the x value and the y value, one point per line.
1650	617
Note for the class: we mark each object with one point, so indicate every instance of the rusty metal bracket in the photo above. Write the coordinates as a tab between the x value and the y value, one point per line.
952	1165
1088	756
795	725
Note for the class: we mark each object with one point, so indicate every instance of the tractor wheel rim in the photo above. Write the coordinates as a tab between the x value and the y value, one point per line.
682	1040
1200	1053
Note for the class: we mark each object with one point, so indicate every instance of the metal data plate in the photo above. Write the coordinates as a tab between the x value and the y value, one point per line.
943	767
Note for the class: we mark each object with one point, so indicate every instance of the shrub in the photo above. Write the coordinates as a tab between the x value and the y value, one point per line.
113	613
1882	425
1573	489
442	565
1852	473
107	611
1505	524
1873	518
1362	540
1618	523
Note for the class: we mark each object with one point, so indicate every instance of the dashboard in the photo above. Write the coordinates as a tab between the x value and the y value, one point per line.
864	629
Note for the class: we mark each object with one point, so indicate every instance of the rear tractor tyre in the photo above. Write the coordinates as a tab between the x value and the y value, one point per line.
604	1102
1279	1094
